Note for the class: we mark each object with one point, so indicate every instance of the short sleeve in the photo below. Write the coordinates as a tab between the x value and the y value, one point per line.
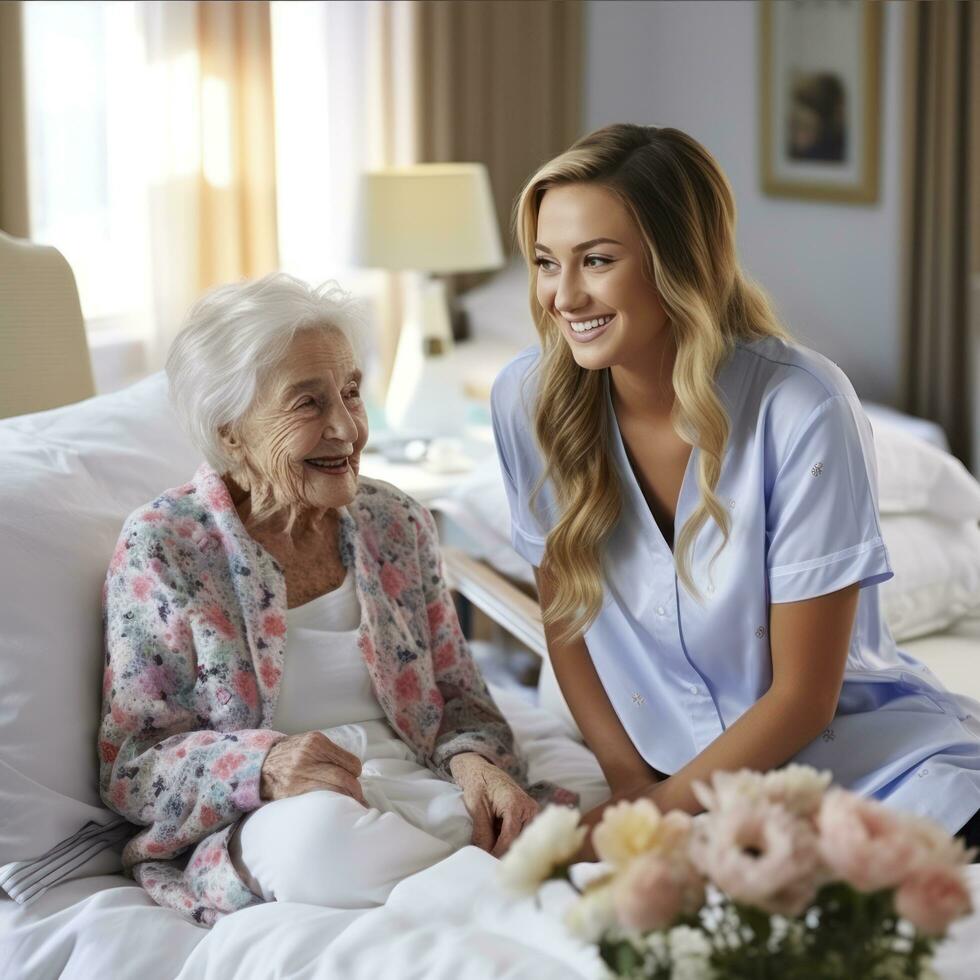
822	526
520	463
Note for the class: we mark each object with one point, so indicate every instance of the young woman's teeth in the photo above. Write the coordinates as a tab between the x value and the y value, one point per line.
583	325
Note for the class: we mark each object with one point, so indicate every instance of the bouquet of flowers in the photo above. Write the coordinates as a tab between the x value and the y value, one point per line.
782	877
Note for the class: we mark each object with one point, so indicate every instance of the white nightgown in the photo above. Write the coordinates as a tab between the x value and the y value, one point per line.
323	847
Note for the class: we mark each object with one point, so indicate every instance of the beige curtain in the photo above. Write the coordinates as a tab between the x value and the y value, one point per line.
238	210
500	82
494	81
212	193
942	186
14	218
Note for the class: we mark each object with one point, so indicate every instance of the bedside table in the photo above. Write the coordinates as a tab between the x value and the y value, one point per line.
414	478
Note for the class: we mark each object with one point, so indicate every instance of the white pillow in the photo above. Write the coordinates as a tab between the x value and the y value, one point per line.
478	505
937	574
68	479
915	477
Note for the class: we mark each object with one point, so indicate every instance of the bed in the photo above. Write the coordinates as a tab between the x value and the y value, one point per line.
69	476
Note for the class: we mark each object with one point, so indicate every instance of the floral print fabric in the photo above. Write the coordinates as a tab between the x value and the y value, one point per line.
195	632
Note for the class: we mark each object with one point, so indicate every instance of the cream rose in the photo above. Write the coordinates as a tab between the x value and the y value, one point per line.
548	843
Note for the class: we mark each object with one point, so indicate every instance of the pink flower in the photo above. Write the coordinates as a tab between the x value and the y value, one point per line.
118	557
118	795
219	498
244	683
180	637
270	674
656	890
444	657
936	844
141	587
761	854
932	897
367	648
215	616
185	527
436	613
274	625
407	687
392	581
864	843
226	765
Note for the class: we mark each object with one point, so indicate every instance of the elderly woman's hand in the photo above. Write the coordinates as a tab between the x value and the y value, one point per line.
306	762
499	807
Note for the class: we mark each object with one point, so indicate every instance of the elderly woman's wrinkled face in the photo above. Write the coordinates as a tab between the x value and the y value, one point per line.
303	439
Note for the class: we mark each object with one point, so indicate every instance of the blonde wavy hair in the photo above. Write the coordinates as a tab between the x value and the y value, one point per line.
683	206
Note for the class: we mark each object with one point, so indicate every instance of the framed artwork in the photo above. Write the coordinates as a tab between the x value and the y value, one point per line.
819	98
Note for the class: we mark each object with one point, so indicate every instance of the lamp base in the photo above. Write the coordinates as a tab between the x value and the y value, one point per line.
425	396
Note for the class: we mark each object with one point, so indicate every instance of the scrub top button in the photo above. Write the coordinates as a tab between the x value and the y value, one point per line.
661	611
694	689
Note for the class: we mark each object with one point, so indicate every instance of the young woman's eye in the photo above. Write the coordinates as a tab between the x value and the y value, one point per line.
542	263
596	261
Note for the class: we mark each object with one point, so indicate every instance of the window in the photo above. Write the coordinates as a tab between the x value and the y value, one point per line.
84	62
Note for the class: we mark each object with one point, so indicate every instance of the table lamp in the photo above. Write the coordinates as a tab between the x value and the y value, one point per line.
428	218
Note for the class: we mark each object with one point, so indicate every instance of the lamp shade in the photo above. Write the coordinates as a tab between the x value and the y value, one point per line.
431	217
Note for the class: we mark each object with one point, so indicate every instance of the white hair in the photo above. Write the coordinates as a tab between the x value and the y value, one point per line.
234	336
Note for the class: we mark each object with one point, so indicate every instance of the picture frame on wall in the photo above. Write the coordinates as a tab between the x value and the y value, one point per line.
820	99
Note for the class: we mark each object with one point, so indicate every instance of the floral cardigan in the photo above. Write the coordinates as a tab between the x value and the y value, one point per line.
195	632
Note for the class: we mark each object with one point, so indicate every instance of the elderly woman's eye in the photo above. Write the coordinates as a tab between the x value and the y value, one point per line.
353	392
306	403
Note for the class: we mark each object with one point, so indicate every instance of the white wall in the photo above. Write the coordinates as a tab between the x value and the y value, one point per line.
833	270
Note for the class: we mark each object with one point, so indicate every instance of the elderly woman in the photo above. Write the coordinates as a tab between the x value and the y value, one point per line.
284	669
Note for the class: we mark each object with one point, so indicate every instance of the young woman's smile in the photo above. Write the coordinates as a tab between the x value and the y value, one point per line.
590	278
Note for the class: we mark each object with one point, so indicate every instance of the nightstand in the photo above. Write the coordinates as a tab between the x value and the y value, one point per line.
475	582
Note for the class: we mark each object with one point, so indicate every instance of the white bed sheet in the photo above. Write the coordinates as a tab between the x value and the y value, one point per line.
953	656
445	921
448	922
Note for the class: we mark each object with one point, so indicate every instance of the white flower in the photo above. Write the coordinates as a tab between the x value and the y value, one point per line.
657	946
799	788
690	953
547	843
592	914
685	941
630	829
730	788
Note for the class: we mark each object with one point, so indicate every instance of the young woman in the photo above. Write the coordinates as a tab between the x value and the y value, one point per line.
698	496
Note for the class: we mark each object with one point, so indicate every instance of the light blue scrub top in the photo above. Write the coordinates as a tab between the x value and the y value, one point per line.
800	479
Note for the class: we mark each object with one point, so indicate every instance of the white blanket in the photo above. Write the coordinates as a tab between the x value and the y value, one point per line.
450	921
